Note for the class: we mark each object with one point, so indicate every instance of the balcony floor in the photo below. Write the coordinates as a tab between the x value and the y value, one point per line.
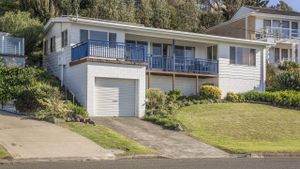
181	74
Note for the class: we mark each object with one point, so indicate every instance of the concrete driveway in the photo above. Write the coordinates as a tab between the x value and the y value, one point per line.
168	143
27	139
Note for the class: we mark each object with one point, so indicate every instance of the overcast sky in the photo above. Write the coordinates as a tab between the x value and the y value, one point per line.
293	3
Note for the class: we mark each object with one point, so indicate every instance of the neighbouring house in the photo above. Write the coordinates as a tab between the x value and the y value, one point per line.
269	25
12	50
108	65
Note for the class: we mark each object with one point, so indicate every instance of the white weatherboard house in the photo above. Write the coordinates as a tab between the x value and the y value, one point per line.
279	27
108	65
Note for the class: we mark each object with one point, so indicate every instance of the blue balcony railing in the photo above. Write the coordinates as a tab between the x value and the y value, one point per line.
181	64
11	46
109	50
129	52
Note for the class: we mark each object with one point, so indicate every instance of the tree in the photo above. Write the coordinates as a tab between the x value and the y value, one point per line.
161	14
283	6
21	24
8	6
144	12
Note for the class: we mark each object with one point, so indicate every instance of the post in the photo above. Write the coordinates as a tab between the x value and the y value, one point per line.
173	54
149	78
173	82
197	84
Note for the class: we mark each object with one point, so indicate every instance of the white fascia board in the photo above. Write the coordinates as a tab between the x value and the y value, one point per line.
162	33
266	15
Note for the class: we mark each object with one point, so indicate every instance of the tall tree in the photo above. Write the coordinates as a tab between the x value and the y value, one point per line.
161	14
283	6
144	12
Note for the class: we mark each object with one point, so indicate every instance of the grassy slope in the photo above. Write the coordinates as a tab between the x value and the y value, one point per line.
240	128
108	138
4	153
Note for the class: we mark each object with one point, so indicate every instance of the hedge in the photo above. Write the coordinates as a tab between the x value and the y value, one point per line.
280	98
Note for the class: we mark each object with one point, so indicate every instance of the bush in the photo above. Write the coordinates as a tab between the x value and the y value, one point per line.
174	95
156	100
76	110
281	98
232	97
210	92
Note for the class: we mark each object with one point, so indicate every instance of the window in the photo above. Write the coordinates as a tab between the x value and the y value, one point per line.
189	52
295	29
157	49
286	29
52	44
64	38
112	37
179	51
242	56
284	54
97	35
212	52
45	47
84	35
267	24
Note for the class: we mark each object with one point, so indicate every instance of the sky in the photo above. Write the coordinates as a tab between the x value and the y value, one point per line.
295	4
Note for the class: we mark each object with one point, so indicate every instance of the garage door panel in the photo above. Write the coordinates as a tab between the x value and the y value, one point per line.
114	97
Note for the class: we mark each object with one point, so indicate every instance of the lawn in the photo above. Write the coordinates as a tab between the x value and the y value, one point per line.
108	138
3	153
242	127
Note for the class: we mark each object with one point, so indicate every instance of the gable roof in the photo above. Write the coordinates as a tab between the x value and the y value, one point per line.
273	11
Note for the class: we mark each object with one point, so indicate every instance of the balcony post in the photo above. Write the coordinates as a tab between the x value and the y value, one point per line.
88	48
173	54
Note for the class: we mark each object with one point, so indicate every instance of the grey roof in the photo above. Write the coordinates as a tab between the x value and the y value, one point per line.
274	11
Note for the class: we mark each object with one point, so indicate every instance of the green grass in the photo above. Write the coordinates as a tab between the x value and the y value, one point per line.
108	138
243	128
3	153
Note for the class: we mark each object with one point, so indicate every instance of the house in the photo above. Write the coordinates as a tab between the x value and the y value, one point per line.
108	65
269	25
12	50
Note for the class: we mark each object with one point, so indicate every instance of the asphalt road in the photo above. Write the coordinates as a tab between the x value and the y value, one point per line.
239	163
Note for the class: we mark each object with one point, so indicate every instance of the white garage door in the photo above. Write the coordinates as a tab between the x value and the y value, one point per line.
115	97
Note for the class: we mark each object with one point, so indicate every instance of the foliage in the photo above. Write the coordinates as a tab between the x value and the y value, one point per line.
281	98
23	25
210	92
285	77
282	6
156	99
232	97
174	95
76	110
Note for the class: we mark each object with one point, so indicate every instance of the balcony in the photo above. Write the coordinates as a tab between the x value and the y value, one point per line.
278	33
11	46
127	52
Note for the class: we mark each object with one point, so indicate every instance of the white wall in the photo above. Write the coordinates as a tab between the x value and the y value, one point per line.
116	71
240	78
75	79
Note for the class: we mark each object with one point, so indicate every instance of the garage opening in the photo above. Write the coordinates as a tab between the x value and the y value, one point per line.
115	97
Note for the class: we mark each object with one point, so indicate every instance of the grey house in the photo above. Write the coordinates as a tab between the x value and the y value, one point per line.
12	50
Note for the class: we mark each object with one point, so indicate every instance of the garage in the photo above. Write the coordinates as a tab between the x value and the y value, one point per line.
115	97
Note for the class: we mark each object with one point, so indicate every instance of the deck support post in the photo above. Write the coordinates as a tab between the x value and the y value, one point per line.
149	78
173	82
173	55
197	85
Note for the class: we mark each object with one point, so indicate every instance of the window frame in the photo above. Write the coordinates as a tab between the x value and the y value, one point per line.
52	44
242	51
64	38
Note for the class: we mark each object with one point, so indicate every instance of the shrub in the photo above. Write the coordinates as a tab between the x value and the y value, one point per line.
174	95
76	110
30	100
232	97
156	100
210	92
281	98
